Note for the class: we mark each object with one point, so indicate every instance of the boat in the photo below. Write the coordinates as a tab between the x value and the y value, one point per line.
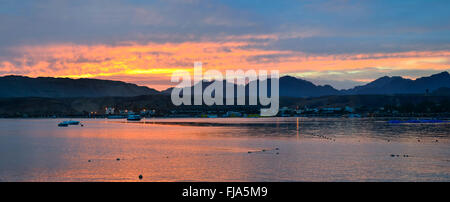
134	118
67	123
63	124
72	122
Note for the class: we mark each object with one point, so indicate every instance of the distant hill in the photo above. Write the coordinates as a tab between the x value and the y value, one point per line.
21	86
399	85
295	87
289	87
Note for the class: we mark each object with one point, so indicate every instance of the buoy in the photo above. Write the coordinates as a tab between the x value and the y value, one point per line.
140	177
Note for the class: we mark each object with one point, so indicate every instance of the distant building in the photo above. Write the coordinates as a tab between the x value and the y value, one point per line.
109	110
314	110
286	111
349	109
331	109
126	112
233	114
146	112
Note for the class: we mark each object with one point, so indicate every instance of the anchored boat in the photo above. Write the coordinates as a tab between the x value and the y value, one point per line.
63	124
134	118
72	122
67	123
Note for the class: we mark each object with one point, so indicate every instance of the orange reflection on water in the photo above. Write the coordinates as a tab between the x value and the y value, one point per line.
258	150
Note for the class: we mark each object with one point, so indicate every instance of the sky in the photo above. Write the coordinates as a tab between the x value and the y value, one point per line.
342	42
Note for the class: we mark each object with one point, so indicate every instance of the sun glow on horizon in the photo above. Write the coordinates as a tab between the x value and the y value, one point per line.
157	61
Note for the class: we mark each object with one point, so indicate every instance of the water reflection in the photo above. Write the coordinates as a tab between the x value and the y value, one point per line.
334	127
309	149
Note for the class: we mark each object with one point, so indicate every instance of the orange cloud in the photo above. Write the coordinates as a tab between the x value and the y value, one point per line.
134	62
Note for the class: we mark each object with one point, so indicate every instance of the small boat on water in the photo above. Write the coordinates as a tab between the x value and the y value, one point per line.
134	118
63	124
67	123
72	122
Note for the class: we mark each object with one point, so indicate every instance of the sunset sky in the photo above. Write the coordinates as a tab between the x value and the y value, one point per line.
342	43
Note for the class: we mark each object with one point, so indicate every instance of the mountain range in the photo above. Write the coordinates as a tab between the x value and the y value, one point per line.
296	87
399	85
21	86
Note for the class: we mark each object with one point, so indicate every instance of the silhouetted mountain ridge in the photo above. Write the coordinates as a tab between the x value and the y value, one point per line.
21	86
289	87
297	87
400	85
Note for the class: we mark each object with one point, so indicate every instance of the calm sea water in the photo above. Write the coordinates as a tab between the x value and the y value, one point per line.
235	149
